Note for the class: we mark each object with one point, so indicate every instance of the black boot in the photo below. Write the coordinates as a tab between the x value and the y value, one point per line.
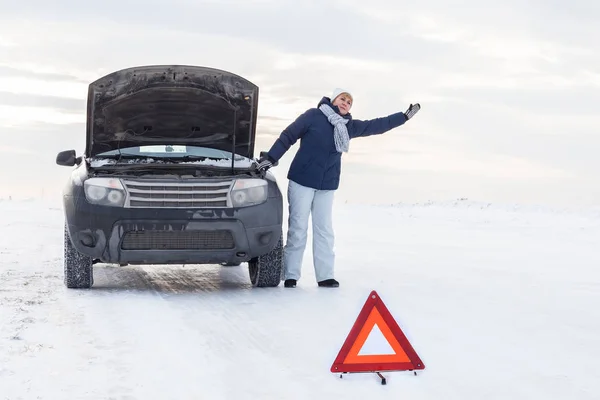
289	283
329	283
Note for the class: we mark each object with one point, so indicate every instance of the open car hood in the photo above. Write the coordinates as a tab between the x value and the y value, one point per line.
171	105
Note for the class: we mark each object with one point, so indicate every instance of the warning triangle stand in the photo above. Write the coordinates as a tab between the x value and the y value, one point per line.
375	314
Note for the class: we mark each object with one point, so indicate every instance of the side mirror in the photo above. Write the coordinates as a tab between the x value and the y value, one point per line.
67	158
264	154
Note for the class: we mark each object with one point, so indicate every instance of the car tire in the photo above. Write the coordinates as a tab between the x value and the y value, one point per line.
267	270
78	268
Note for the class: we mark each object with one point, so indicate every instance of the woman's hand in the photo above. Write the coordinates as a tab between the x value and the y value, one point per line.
412	110
264	163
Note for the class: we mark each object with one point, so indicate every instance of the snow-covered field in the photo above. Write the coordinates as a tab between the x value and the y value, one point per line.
499	302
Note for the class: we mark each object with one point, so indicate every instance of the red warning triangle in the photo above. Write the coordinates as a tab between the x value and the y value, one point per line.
375	313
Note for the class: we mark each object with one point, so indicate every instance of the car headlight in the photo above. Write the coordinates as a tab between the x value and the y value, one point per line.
105	191
249	192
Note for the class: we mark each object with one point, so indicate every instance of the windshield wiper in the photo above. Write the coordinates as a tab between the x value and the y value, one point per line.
124	155
162	159
191	158
198	158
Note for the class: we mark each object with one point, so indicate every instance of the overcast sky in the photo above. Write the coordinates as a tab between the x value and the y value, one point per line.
509	90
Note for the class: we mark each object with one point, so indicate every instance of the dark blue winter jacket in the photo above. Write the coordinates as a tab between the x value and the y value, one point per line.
317	163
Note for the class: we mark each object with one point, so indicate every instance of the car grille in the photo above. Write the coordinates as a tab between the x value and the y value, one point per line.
168	194
177	240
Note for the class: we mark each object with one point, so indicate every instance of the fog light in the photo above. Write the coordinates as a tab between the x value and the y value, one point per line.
86	239
265	238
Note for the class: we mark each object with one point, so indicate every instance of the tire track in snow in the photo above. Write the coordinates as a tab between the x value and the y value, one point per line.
231	281
218	317
236	319
149	306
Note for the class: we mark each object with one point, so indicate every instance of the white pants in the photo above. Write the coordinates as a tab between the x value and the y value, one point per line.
302	202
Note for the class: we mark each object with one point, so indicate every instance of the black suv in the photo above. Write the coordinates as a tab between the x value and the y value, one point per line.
169	176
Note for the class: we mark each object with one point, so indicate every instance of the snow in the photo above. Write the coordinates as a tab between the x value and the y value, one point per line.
499	301
97	162
376	344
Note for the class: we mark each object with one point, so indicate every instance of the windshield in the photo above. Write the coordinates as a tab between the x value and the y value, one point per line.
172	151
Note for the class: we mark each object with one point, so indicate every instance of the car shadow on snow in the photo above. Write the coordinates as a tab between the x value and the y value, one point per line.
171	278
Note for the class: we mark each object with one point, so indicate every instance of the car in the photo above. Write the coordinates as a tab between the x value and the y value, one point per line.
168	176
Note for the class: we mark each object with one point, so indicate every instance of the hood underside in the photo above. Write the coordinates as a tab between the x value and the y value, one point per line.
172	105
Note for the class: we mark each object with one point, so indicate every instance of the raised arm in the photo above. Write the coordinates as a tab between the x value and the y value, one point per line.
362	128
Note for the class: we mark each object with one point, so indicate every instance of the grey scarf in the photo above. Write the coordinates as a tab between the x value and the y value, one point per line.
340	132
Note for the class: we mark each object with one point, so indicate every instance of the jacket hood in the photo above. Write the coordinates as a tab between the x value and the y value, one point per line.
327	100
172	105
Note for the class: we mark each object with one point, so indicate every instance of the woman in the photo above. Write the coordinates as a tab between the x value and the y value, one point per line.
314	175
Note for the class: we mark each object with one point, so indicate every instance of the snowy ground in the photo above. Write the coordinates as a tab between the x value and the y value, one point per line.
499	302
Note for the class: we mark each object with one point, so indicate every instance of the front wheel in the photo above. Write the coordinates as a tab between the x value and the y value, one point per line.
267	270
78	267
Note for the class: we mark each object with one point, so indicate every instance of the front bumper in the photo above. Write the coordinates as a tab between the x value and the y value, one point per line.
173	236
